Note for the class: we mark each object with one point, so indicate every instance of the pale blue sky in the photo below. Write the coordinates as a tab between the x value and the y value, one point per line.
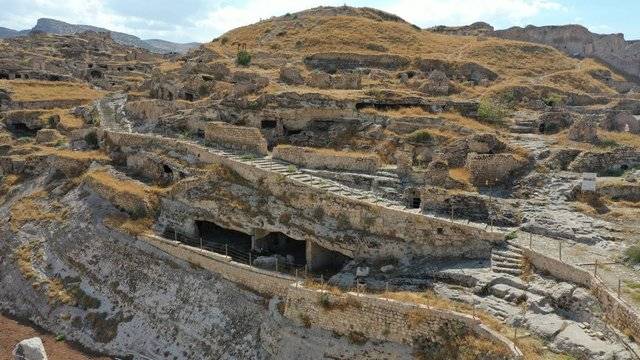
203	20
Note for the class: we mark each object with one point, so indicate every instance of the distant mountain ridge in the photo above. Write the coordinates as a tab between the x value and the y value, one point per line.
53	26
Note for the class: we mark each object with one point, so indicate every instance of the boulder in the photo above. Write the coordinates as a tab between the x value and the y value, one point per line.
583	131
47	136
485	144
30	349
320	80
347	81
437	84
621	122
220	71
291	76
554	121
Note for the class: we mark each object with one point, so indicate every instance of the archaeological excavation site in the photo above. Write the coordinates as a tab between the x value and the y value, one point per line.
335	183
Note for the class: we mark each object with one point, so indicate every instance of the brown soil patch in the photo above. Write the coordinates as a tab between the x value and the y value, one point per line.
12	332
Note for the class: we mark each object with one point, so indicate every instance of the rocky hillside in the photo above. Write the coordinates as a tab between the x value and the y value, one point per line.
51	26
164	206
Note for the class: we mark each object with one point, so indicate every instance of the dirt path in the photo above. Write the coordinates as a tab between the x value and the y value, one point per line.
12	332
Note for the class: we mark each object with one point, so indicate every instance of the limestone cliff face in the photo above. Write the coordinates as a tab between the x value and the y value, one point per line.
578	41
72	275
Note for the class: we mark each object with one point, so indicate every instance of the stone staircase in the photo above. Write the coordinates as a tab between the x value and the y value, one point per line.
507	259
290	171
524	127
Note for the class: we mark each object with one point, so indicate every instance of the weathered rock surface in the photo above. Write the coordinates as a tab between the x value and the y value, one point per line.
30	349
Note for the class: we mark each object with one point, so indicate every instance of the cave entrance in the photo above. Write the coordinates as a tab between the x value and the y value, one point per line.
21	130
278	243
624	167
542	127
223	240
415	202
321	260
167	170
268	124
189	96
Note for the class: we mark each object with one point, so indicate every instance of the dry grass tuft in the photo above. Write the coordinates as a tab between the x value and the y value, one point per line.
130	226
460	174
28	209
29	90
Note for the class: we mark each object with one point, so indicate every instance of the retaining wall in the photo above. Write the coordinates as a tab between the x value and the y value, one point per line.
383	319
261	281
322	159
621	315
236	137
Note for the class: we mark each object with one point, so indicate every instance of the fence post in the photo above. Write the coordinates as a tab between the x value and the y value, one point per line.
560	249
619	287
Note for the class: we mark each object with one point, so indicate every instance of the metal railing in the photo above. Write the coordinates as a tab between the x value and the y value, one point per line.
240	256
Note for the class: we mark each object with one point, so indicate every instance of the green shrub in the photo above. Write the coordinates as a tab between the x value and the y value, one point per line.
553	99
633	253
292	168
492	112
243	58
607	143
420	136
512	235
91	139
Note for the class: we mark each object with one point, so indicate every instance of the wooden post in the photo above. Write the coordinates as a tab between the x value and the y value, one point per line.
386	287
249	258
175	235
200	243
276	263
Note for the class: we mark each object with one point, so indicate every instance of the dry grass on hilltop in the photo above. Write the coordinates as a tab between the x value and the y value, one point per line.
29	90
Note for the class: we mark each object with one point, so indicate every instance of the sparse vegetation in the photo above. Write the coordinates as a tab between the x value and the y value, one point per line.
553	99
492	112
243	58
420	136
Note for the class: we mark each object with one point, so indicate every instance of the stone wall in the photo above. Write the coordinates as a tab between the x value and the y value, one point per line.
327	159
382	319
236	137
261	281
493	169
604	162
617	311
243	197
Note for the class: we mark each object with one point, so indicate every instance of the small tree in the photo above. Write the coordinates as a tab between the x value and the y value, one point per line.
492	112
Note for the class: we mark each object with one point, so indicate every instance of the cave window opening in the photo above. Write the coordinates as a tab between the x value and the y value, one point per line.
542	127
416	202
21	130
624	167
289	132
268	124
4	76
166	169
189	96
